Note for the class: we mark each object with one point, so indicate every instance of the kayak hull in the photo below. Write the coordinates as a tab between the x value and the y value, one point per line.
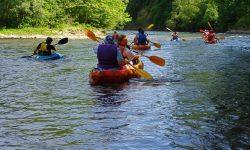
174	40
141	47
211	42
99	77
54	56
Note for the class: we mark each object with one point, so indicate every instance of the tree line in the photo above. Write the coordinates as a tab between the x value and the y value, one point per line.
191	15
181	15
106	14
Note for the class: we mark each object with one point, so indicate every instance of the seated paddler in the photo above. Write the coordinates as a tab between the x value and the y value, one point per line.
45	48
108	55
141	38
127	54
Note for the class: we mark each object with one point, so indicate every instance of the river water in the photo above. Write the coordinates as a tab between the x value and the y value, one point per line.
199	100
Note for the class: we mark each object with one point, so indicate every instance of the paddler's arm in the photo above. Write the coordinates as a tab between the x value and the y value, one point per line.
37	48
120	59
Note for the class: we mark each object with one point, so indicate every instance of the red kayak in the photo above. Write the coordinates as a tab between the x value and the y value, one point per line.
141	47
97	76
210	42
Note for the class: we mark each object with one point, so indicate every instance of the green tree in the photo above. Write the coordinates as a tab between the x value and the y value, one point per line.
54	13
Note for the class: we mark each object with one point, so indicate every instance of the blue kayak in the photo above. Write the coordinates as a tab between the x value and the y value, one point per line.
175	40
51	57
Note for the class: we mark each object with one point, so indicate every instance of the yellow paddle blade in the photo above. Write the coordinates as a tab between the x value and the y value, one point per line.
158	45
90	35
157	60
184	40
141	72
150	26
144	74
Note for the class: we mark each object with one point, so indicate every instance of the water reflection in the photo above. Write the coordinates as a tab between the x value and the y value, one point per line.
110	95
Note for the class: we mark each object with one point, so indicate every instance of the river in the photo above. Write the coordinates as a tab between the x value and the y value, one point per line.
199	100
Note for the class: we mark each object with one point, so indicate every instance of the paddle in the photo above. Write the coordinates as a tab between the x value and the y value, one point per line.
154	59
158	45
90	35
150	26
210	25
218	38
173	31
60	42
141	72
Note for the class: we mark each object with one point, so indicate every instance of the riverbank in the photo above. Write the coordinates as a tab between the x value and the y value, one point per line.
44	33
234	31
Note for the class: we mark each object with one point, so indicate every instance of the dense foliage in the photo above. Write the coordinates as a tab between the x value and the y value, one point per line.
55	13
190	15
181	15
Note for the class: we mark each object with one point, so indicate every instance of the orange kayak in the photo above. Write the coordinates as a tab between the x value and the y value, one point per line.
97	76
141	47
210	42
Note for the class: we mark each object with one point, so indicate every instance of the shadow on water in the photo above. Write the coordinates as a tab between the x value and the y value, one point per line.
161	80
110	94
233	99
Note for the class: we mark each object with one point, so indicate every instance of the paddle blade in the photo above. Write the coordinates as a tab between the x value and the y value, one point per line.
30	56
27	56
63	41
222	38
210	25
144	74
184	40
90	35
158	45
169	29
150	26
157	60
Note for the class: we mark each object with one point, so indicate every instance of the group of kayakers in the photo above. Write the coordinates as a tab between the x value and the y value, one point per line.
208	35
115	53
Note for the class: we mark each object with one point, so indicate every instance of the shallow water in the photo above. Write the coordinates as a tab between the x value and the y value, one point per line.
199	100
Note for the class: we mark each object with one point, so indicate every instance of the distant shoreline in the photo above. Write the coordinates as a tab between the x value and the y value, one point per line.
80	35
39	36
72	34
234	31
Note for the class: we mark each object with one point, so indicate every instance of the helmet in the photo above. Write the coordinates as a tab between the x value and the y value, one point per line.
49	40
109	40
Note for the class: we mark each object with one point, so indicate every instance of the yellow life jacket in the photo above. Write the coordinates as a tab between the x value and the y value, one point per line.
43	47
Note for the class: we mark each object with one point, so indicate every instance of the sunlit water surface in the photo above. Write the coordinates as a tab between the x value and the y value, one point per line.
199	100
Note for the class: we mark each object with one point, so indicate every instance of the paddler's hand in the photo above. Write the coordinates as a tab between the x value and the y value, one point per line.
136	57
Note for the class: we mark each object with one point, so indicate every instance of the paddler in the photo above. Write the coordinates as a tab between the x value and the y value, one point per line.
45	48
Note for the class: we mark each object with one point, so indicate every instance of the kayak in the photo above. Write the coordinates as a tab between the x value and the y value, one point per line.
175	40
98	77
141	47
51	57
210	42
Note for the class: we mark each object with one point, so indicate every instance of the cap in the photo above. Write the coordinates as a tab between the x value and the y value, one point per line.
109	40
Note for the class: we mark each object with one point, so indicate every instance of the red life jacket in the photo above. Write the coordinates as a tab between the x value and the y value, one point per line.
210	36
